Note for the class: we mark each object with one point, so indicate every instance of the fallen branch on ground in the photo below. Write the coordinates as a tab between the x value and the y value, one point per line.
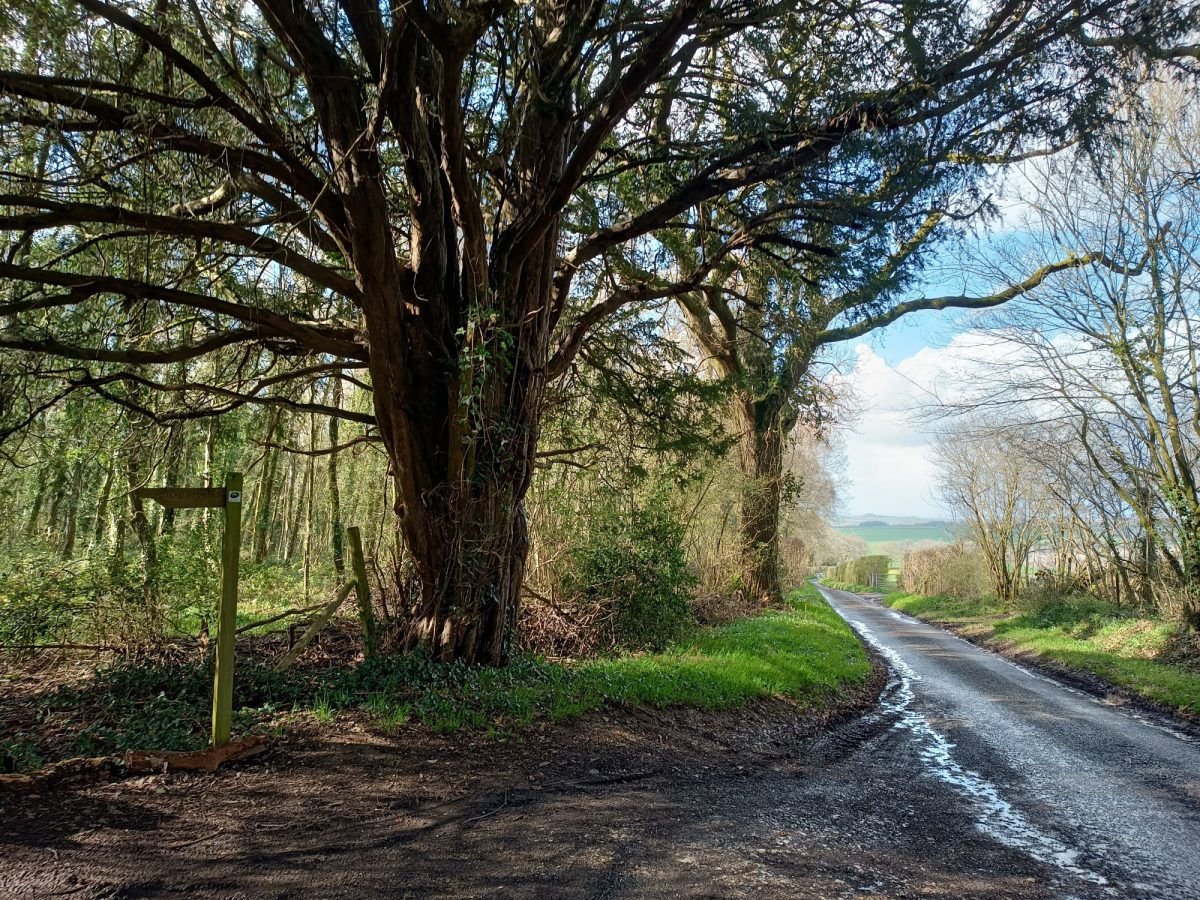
133	762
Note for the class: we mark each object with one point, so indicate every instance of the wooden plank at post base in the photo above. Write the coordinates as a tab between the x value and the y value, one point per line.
184	498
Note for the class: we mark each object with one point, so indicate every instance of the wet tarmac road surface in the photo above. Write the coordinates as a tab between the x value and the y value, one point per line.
1107	796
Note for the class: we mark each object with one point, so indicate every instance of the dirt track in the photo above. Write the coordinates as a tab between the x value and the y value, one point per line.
760	802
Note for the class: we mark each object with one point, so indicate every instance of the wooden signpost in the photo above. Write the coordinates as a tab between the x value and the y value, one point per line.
229	497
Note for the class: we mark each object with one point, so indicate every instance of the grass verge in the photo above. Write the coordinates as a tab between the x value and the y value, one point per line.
804	652
1152	658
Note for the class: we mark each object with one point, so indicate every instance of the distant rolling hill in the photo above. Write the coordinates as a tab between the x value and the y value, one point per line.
874	520
880	530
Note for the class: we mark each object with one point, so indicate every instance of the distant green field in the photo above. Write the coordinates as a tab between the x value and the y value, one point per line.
877	535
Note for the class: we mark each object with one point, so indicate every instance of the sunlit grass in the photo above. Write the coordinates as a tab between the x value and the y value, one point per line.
806	652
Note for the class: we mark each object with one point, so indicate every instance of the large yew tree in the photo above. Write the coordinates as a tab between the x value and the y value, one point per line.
211	198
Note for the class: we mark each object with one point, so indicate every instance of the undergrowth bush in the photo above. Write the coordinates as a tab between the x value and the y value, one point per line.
631	564
46	600
805	651
107	599
29	613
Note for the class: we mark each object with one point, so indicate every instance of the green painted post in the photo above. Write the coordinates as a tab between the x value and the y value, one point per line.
366	615
231	551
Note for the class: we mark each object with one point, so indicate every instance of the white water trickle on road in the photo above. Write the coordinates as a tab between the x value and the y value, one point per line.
995	816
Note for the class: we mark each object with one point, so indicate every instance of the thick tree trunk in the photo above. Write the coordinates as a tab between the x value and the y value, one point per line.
761	460
461	337
462	460
469	600
461	508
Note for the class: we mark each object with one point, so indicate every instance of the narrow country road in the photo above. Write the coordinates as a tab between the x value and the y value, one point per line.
971	778
1108	798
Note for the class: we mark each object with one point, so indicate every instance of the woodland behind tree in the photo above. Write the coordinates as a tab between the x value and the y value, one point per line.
514	287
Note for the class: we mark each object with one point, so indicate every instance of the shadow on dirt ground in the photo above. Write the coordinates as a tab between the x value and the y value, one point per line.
764	801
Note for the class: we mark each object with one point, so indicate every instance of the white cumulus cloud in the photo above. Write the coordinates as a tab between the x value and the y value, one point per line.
889	465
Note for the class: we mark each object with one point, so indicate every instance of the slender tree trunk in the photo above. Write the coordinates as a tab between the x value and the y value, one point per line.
102	504
174	461
118	520
264	500
310	481
296	495
35	510
210	448
71	516
136	476
337	538
58	490
264	506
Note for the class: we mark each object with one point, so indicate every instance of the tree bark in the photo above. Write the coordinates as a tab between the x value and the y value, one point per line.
58	489
310	481
210	447
337	538
174	464
35	509
136	475
71	518
102	502
462	462
762	436
292	523
264	511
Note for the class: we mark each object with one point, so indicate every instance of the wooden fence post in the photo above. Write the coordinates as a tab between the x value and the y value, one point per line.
231	551
318	623
366	614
